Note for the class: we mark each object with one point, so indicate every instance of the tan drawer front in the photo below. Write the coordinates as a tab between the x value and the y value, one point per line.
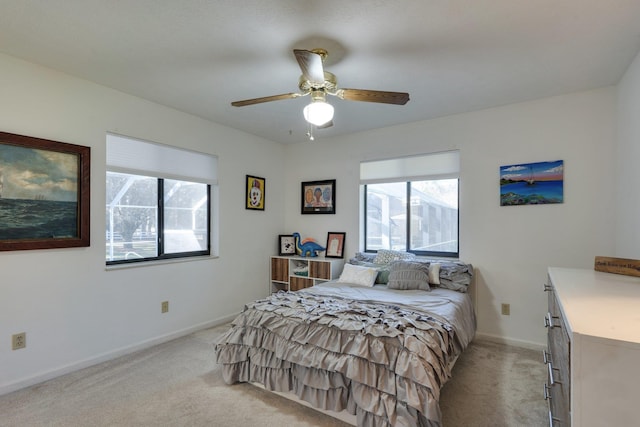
297	283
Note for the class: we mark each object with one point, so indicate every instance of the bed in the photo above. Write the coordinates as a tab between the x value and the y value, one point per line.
378	351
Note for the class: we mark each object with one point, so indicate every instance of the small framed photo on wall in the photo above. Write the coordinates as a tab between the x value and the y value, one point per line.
335	245
255	196
286	245
318	197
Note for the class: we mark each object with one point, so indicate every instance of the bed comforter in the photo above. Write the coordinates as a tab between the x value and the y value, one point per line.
380	354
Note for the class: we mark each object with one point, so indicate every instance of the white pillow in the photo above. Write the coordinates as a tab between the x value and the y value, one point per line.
434	273
358	275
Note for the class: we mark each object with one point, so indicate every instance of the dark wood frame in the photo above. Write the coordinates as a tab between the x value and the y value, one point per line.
281	237
248	184
342	237
83	154
307	207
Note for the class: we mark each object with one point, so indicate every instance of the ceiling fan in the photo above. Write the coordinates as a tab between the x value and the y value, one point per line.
318	83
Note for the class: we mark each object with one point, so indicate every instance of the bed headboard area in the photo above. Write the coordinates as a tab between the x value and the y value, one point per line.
445	273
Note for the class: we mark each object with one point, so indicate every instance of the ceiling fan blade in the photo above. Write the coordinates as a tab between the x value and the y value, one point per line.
311	65
265	99
398	98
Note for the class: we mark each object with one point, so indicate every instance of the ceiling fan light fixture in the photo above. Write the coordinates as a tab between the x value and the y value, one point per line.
318	112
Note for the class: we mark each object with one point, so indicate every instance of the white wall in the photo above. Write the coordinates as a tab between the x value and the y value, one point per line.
628	172
74	311
511	247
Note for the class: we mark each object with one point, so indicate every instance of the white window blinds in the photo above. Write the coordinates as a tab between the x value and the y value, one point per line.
139	157
441	165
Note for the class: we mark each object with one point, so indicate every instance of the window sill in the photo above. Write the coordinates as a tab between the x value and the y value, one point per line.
160	262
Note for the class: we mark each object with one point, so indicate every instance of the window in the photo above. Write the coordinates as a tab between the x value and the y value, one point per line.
158	201
411	204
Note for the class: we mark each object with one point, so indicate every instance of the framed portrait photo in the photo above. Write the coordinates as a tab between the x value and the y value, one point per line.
255	193
286	245
335	244
318	197
44	193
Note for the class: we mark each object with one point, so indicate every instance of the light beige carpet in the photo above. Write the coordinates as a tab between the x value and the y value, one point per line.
179	384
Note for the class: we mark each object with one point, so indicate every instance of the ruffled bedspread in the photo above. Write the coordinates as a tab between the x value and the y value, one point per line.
385	363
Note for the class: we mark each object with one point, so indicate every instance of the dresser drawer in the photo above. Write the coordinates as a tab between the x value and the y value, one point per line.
557	358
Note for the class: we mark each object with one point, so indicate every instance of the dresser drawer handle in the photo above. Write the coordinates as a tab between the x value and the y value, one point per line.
547	287
546	357
552	419
548	322
546	392
551	379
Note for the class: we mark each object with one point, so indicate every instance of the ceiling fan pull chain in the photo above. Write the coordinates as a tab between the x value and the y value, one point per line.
310	132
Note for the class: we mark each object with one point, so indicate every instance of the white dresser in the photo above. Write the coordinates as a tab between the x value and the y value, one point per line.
594	348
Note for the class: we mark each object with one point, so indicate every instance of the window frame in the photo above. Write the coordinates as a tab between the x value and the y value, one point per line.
148	160
438	254
160	240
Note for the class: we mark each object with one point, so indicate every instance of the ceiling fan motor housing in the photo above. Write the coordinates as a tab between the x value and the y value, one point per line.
330	84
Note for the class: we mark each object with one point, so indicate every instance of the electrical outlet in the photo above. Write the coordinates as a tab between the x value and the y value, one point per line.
18	341
506	309
165	307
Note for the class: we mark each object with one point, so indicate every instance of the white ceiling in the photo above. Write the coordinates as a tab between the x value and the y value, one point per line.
452	56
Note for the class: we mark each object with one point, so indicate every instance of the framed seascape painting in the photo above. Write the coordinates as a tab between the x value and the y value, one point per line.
255	194
335	245
532	183
44	193
318	197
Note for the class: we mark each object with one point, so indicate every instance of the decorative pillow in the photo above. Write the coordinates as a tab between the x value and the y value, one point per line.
383	274
364	256
383	269
358	275
456	276
434	273
409	275
386	256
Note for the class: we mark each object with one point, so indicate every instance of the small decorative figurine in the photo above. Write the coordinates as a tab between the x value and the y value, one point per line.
307	247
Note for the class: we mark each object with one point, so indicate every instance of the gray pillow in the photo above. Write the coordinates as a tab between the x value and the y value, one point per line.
409	275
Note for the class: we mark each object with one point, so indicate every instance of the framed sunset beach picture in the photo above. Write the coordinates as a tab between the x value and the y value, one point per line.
532	183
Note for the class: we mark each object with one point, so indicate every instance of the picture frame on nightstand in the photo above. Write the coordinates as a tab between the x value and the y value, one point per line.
286	244
335	244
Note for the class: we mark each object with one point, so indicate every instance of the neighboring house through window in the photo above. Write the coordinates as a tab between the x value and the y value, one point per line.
411	204
158	201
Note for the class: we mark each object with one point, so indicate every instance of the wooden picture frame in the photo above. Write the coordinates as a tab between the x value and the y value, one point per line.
44	193
255	193
286	244
318	197
335	244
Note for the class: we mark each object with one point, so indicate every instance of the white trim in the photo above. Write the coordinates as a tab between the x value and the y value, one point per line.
154	262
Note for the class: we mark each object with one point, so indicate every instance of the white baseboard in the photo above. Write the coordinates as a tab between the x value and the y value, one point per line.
510	341
62	370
